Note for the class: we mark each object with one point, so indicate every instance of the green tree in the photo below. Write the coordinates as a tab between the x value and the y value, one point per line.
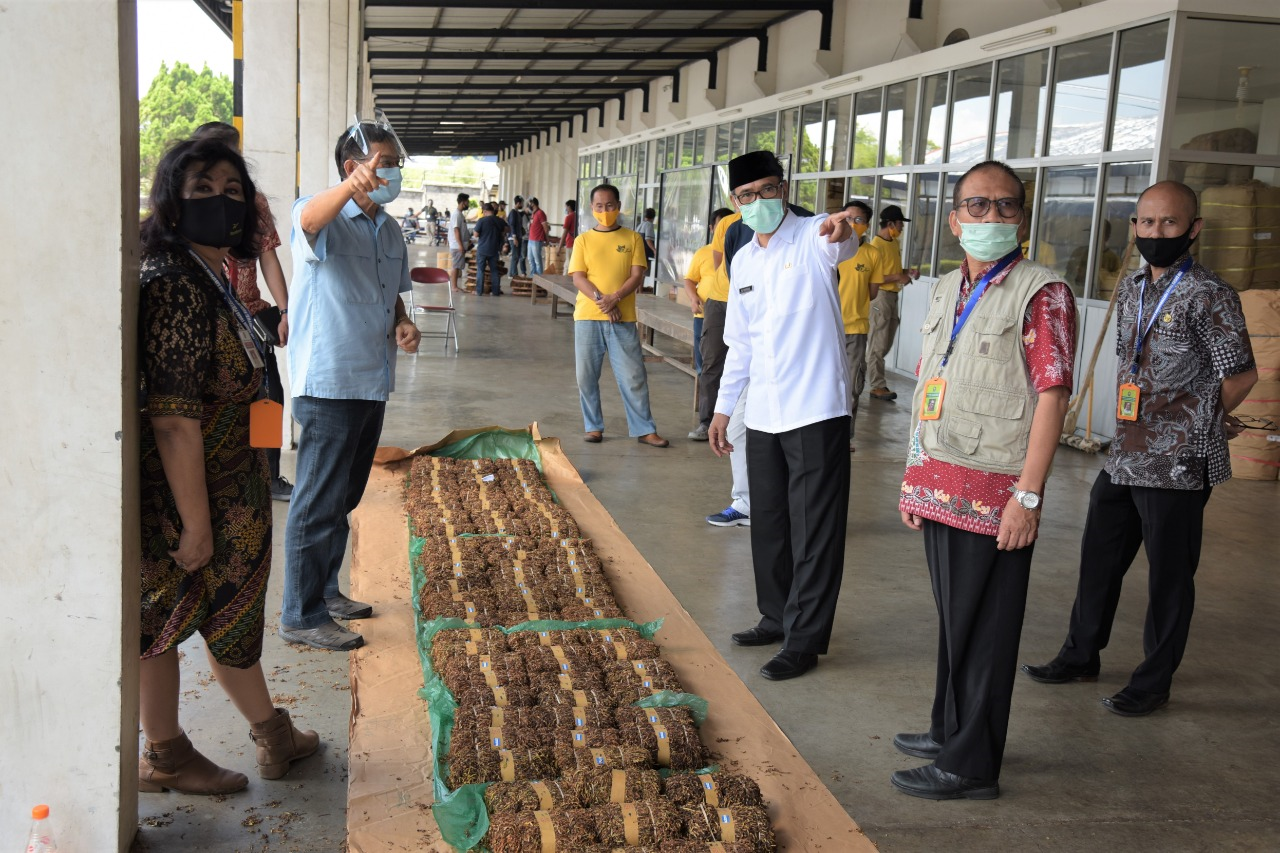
180	100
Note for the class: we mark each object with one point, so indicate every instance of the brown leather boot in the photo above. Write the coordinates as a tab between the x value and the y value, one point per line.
279	743
176	765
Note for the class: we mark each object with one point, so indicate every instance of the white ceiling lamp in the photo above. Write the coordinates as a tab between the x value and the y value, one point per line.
1021	38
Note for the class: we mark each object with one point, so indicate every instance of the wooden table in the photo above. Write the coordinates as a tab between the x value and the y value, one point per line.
655	314
559	289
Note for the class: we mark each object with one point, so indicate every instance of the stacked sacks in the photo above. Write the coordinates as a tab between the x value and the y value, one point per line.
545	713
1240	239
1254	456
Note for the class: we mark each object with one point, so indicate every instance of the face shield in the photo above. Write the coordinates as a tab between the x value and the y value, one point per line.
379	125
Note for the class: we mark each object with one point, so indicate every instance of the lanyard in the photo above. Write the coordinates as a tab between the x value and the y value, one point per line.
972	302
1140	334
237	307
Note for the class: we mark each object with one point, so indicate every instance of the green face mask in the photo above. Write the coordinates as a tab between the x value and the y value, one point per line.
988	241
764	215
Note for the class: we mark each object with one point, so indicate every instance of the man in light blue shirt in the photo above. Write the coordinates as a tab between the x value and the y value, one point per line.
347	318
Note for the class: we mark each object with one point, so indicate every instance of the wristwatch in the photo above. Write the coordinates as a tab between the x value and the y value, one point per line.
1027	500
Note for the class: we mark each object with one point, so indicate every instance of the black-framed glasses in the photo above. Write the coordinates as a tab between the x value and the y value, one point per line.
1255	422
767	191
1007	208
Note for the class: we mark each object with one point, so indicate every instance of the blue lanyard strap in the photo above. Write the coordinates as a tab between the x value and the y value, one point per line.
233	302
1140	333
972	302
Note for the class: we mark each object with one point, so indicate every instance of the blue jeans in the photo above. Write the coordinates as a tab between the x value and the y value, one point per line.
535	257
591	340
335	455
495	282
519	264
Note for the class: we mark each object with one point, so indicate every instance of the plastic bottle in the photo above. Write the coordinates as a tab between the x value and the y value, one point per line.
41	840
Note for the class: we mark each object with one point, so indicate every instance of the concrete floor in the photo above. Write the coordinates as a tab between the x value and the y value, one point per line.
1203	774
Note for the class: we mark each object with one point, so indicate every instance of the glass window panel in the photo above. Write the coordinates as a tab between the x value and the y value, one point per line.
673	151
686	149
805	194
949	252
611	162
1138	93
762	133
863	187
970	114
835	147
662	154
723	150
1240	238
935	119
924	222
682	220
642	161
893	190
1021	89
599	164
866	129
1065	222
584	167
1229	88
787	135
1080	86
810	139
1123	183
700	146
900	123
832	195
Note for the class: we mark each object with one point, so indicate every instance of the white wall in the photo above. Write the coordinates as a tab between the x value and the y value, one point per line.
69	461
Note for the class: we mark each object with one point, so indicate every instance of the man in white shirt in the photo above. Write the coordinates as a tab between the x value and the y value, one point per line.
459	240
786	335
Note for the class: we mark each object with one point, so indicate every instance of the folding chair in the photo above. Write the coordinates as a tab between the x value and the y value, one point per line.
435	275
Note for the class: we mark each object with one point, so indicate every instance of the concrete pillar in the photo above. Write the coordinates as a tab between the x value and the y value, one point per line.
271	126
315	149
69	462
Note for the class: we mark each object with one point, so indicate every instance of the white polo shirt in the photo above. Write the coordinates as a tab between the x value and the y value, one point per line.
784	329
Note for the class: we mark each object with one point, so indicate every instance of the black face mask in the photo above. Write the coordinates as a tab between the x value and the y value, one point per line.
216	221
1161	252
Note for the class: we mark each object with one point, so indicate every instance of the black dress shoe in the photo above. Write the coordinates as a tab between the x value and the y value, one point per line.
1135	703
921	746
1058	671
787	664
756	636
930	783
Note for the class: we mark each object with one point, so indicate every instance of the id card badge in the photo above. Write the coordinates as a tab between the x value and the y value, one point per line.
266	424
1127	402
934	390
255	357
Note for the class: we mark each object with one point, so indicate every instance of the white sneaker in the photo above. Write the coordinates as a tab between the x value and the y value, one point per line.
699	434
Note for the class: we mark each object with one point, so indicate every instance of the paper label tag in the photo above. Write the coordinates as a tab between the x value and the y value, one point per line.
709	789
597	757
618	787
266	422
726	826
1127	402
495	737
664	745
246	340
476	635
499	696
545	802
508	765
547	831
580	699
934	390
497	717
630	824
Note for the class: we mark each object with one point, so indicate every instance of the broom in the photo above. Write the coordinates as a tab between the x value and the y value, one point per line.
1087	443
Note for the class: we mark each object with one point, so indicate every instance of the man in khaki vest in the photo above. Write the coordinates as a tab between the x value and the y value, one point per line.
994	378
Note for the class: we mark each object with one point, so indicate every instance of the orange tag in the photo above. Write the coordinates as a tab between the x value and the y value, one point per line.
1127	402
266	423
934	390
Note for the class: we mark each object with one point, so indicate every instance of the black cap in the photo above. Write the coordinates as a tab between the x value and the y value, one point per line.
892	213
753	166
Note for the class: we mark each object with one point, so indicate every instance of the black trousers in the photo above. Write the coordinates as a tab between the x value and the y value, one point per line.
1170	524
713	350
981	593
275	392
799	514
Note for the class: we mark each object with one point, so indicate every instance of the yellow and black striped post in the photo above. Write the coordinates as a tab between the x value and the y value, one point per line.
237	67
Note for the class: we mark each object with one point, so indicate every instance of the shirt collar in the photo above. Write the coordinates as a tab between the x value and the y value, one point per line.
786	231
998	280
1145	271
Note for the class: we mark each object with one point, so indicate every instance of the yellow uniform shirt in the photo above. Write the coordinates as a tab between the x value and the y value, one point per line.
607	258
856	277
890	260
502	214
719	291
702	273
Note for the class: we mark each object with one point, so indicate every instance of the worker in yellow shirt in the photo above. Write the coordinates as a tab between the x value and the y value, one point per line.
704	282
608	268
860	280
884	308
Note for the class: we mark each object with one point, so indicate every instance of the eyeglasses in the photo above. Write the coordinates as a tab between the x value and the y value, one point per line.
1007	208
767	191
1255	422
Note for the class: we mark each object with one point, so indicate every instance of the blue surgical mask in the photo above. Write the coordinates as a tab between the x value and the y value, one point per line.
988	241
387	194
764	215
